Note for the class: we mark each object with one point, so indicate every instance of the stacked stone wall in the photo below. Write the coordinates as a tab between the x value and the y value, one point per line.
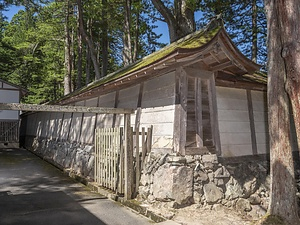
203	180
77	159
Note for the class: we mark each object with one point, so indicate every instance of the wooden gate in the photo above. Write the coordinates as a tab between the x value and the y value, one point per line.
9	132
113	166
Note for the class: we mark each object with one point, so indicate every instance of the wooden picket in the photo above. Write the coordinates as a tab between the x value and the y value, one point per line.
111	165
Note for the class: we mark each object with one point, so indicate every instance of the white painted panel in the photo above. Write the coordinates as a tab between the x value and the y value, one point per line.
106	120
159	91
235	138
107	100
236	150
259	102
261	137
234	123
260	116
261	127
75	128
263	149
31	124
160	82
157	116
57	125
91	102
233	115
128	97
88	127
39	124
65	126
9	115
9	96
46	124
234	126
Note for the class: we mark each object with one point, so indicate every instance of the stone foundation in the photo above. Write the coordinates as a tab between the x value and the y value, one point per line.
77	158
202	180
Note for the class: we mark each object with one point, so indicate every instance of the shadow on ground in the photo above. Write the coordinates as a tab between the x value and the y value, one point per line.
43	208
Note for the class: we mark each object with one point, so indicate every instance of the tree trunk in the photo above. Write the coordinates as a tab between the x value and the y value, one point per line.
290	30
254	32
104	43
79	55
283	189
181	23
88	57
127	50
88	41
68	60
136	37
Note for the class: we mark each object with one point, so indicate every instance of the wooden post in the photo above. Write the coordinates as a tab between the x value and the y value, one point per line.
128	158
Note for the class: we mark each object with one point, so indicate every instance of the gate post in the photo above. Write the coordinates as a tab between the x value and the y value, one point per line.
128	158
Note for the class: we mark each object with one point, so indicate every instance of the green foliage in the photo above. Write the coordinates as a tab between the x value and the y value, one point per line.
32	44
237	16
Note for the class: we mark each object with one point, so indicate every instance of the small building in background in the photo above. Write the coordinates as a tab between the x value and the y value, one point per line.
9	120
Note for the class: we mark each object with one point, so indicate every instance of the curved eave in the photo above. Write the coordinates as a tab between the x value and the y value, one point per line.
212	50
239	59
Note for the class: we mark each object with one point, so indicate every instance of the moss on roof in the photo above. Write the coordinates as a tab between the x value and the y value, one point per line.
192	41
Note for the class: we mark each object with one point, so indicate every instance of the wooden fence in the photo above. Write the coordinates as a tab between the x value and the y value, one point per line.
9	131
114	166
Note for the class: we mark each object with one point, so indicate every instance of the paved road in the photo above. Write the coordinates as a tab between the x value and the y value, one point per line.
34	192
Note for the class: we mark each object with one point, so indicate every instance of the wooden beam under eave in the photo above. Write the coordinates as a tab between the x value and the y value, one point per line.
241	85
221	66
198	73
64	108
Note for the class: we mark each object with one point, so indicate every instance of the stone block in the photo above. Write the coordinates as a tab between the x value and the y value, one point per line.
173	183
212	193
233	189
243	205
210	159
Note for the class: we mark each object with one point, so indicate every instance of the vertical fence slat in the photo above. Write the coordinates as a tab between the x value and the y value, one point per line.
137	160
114	157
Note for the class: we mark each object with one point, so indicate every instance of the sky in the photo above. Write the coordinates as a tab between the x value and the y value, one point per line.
161	29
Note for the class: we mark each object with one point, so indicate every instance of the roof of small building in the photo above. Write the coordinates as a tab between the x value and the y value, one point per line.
211	45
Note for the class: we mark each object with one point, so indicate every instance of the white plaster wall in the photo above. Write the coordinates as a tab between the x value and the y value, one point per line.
260	112
158	106
234	124
106	120
75	129
9	96
88	123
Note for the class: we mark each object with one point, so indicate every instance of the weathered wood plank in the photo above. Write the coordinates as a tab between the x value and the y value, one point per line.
128	159
63	108
180	111
214	115
252	125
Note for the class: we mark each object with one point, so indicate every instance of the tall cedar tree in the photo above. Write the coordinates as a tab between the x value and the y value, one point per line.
179	17
283	93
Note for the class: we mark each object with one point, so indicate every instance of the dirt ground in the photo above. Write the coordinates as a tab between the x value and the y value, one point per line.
194	215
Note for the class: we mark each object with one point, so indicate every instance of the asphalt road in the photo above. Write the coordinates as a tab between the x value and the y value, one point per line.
34	192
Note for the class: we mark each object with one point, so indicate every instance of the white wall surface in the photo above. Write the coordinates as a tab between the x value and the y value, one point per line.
260	112
9	96
234	123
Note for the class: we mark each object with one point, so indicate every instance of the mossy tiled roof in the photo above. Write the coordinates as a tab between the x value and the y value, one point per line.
192	41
